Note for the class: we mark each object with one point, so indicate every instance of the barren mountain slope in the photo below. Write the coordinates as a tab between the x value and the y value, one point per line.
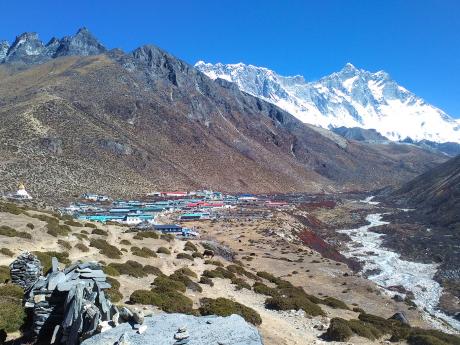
124	123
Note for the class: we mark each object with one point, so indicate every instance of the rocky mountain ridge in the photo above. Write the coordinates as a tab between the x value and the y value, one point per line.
127	123
351	97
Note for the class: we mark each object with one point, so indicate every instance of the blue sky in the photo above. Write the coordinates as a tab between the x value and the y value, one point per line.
417	42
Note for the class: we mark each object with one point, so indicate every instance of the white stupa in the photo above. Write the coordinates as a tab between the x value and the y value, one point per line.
21	193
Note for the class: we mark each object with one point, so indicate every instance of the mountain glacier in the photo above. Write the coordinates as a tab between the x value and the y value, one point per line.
351	97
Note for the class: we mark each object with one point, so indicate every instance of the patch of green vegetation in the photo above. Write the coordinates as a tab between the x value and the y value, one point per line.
190	247
240	284
90	225
225	307
334	303
149	269
170	301
72	222
30	226
111	271
10	232
12	315
363	329
8	207
82	247
197	255
56	229
419	336
167	237
65	244
114	293
206	280
100	232
241	271
163	250
45	259
105	248
167	283
46	218
130	268
338	330
4	274
185	279
294	303
80	236
263	289
187	271
84	232
125	242
214	262
7	252
219	272
11	290
268	276
143	252
146	234
184	256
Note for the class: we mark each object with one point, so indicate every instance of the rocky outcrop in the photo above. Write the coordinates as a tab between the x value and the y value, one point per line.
25	270
178	329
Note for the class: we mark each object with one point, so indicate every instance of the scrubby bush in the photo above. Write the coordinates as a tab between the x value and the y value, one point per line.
149	269
113	293
64	244
241	271
12	315
81	247
143	252
125	242
7	252
45	259
189	246
163	250
170	301
8	207
84	232
240	283
72	222
214	262
334	303
11	290
197	255
338	330
105	248
146	234
30	226
167	237
56	229
130	267
166	283
365	330
263	289
187	271
225	307
218	272
268	276
100	232
90	225
4	274
184	256
10	232
206	280
294	303
81	237
111	271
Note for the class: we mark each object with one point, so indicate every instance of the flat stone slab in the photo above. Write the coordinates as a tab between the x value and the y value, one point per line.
204	330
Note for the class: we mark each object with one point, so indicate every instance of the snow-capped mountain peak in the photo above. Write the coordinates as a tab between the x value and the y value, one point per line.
351	97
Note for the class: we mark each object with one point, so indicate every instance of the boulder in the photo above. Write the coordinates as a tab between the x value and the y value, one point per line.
165	329
400	316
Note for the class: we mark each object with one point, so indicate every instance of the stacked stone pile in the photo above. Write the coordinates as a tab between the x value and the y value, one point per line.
25	270
66	305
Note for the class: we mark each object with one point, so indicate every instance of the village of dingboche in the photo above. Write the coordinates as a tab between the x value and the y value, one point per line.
277	173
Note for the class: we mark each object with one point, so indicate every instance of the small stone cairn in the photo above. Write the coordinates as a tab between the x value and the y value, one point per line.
25	270
68	306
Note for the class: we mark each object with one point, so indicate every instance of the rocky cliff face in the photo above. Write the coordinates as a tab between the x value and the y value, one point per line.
351	97
125	123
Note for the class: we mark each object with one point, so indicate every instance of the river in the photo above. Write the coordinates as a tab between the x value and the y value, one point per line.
391	270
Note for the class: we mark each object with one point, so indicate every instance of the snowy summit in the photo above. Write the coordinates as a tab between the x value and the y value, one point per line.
351	97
